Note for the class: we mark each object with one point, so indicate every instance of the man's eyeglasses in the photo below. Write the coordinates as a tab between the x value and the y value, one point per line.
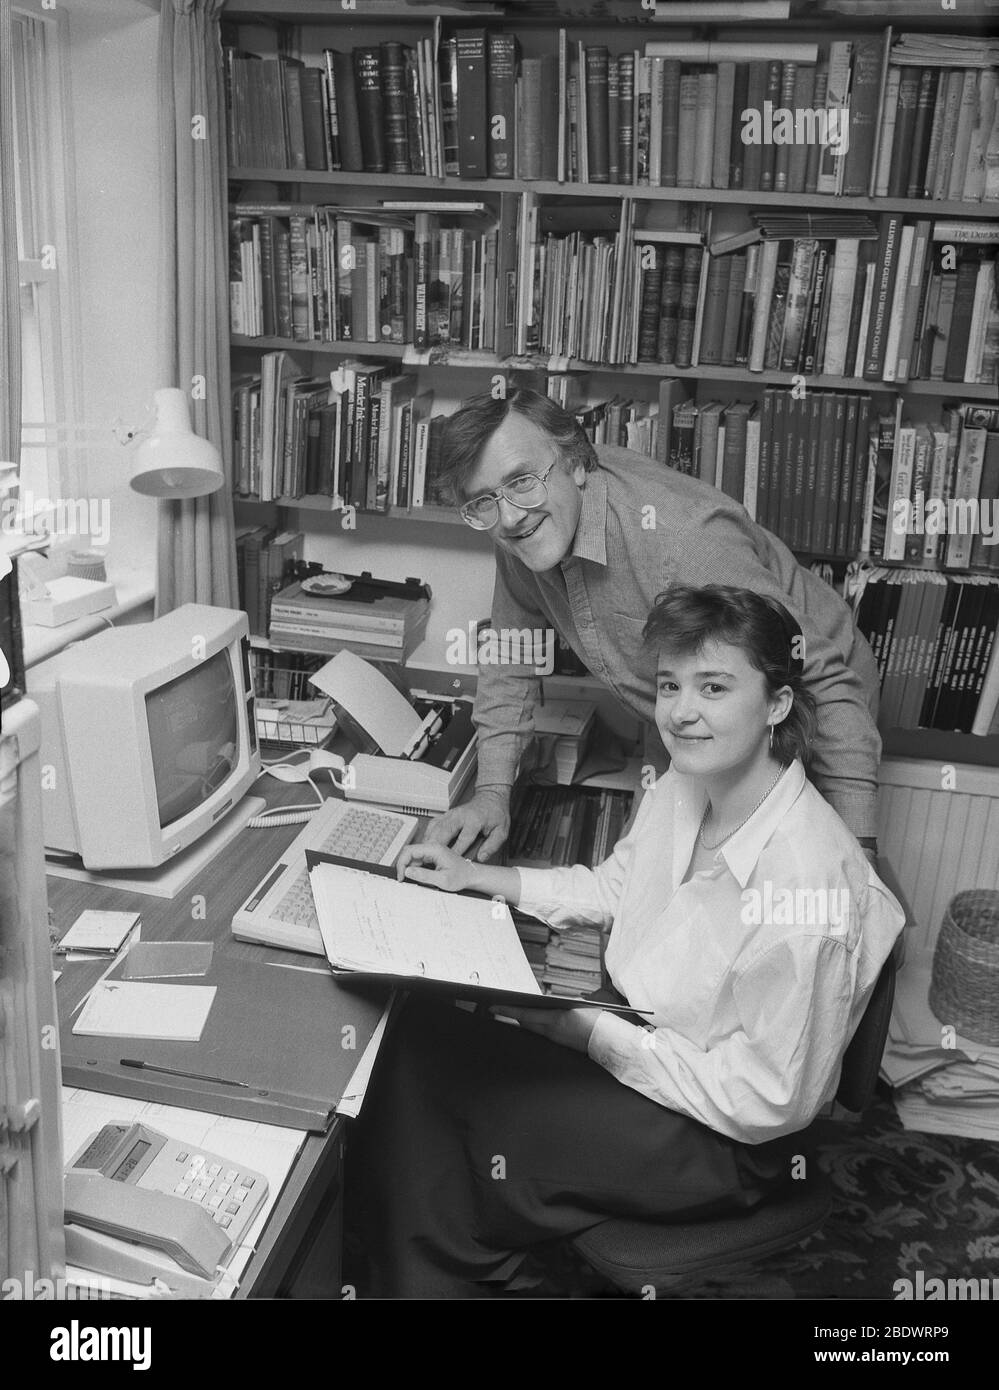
527	491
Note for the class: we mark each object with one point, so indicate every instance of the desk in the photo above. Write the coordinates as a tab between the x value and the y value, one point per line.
299	1252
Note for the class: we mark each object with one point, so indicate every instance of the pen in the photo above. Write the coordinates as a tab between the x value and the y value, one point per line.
188	1075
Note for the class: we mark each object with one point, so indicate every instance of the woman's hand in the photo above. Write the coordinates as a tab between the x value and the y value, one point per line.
568	1027
436	866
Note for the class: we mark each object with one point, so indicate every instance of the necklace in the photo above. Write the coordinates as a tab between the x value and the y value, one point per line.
707	812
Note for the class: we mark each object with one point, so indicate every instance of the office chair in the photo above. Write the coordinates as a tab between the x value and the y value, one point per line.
667	1257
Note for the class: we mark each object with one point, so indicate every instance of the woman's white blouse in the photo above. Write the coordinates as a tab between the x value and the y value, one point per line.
757	970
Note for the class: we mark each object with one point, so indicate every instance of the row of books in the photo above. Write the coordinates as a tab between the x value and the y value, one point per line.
936	488
310	273
565	961
386	628
365	436
567	825
934	639
265	559
853	117
829	475
279	676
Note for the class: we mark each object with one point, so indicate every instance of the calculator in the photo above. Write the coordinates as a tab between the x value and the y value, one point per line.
229	1193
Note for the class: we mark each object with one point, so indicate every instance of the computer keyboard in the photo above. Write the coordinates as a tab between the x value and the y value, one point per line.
280	910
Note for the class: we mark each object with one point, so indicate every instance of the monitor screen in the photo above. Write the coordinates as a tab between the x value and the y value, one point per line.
193	736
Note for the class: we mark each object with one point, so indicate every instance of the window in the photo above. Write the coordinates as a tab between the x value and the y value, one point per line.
50	463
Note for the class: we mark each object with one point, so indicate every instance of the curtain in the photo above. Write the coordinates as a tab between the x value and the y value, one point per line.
10	294
197	553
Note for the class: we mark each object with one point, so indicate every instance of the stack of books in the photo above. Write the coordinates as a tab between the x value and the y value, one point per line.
563	825
265	561
564	728
574	960
387	628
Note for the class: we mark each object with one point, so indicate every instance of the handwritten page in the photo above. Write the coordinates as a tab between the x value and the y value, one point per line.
378	924
175	1013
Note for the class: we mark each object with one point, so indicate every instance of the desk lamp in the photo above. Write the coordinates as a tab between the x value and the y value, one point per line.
173	461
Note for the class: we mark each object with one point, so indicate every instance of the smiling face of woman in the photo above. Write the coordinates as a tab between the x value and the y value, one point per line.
713	711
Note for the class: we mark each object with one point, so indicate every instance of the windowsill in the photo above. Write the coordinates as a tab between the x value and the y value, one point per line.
134	589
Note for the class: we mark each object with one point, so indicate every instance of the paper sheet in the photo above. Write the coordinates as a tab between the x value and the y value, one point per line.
175	1013
372	923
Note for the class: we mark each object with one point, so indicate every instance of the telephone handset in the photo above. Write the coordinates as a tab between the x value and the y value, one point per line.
142	1207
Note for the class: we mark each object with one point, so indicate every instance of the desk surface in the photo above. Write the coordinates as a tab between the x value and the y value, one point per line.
224	886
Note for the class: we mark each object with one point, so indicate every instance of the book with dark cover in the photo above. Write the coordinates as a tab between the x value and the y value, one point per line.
865	93
768	152
816	306
597	119
291	84
531	138
348	112
687	130
782	152
447	64
804	92
748	306
471	103
737	417
859	469
501	100
626	117
715	304
847	460
313	119
814	499
367	380
925	103
866	252
984	552
733	308
415	132
648	305
988	622
778	306
370	108
941	652
332	108
886	266
683	435
669	304
905	124
839	423
686	318
815	149
393	75
670	125
740	104
613	120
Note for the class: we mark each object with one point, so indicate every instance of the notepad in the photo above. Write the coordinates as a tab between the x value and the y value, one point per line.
160	960
99	933
170	1013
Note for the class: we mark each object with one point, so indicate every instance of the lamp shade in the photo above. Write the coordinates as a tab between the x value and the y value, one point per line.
174	461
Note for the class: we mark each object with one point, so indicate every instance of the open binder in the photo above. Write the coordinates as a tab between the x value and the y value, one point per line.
408	936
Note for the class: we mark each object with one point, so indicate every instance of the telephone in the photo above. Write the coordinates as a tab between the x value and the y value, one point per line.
143	1207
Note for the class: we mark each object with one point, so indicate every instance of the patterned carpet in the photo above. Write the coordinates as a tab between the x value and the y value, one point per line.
902	1201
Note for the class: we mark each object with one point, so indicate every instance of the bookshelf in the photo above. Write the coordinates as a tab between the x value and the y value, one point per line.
304	30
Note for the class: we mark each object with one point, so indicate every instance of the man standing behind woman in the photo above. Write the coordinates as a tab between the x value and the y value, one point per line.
585	539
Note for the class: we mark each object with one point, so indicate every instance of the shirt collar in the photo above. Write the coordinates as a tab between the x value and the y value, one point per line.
590	541
742	850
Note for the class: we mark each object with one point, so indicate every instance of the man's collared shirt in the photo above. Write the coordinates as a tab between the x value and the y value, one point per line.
756	970
642	529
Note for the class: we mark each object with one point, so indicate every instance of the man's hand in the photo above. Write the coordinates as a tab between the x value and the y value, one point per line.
435	865
568	1027
487	814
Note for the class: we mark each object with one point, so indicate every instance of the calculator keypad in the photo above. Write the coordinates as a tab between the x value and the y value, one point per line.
221	1191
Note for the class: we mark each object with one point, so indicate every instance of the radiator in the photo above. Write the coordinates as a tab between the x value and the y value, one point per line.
938	826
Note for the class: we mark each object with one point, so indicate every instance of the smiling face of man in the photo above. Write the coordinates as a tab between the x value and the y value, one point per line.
540	537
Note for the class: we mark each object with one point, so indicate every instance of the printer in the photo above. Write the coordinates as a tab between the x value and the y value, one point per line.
416	754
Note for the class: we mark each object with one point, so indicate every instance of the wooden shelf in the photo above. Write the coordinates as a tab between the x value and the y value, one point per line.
437	516
941	745
640	192
461	359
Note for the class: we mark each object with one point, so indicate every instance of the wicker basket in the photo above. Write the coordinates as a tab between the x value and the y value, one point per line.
964	989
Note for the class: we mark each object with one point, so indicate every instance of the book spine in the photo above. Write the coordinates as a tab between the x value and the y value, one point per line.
704	128
626	116
740	106
715	303
921	133
500	90
313	118
597	122
885	262
962	136
724	102
837	107
782	158
473	160
864	96
771	102
396	119
687	130
370	108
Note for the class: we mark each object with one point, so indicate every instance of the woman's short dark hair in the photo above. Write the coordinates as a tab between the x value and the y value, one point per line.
683	618
466	433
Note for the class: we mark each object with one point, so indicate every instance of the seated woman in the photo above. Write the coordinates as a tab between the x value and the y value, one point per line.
742	914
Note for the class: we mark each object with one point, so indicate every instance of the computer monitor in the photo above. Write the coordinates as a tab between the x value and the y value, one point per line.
148	737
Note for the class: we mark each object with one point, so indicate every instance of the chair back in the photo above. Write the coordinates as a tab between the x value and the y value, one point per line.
862	1057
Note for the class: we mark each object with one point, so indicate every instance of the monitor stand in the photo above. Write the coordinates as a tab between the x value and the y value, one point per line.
170	878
